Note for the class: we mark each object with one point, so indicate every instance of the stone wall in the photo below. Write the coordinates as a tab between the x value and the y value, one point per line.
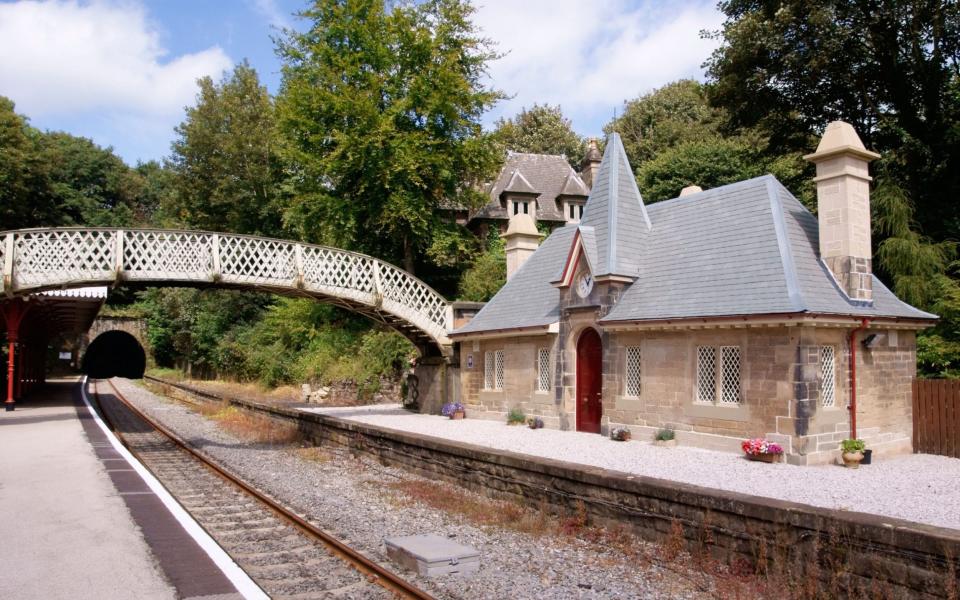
780	373
345	393
520	379
817	545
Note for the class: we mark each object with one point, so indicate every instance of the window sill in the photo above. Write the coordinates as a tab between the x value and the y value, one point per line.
736	412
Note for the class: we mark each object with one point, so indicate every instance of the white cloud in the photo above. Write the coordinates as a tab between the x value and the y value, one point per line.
63	58
276	16
589	57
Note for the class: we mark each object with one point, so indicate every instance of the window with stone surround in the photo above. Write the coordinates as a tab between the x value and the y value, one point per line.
828	376
706	374
632	369
493	370
718	375
730	374
543	369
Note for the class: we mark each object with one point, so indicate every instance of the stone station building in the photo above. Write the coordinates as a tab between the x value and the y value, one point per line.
722	314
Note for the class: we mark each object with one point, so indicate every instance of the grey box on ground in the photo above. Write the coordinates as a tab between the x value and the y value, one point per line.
431	555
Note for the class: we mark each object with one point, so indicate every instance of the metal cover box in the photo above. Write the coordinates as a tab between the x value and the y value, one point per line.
431	555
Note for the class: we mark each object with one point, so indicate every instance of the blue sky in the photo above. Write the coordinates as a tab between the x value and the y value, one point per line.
121	71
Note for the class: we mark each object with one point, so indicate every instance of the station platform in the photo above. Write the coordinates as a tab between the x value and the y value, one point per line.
79	521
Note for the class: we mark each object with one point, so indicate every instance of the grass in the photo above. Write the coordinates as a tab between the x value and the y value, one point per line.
248	426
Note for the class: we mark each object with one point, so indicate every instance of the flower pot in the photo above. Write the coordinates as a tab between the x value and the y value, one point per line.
665	443
457	415
851	460
767	458
867	457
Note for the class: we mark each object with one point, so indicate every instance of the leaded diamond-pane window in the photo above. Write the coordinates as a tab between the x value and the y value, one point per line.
543	370
730	374
633	371
706	374
488	367
828	388
498	369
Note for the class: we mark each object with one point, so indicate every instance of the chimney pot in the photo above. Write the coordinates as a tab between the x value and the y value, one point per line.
590	164
843	208
690	189
521	240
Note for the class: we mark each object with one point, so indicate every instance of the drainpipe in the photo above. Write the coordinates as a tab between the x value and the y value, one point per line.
853	377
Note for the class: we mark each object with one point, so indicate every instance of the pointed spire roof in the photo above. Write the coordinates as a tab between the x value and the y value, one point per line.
616	214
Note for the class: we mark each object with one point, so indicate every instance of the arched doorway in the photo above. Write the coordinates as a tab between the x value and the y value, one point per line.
115	354
589	381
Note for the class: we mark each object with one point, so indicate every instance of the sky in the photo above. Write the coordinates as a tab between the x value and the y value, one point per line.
121	72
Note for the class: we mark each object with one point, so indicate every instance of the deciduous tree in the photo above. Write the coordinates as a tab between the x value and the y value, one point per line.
541	130
226	158
381	105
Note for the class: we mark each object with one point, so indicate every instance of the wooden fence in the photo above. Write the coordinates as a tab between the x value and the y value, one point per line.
936	416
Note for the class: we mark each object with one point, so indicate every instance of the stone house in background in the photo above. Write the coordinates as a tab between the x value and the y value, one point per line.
722	314
543	186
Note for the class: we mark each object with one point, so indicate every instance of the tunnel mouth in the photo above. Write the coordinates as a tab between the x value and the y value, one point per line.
115	354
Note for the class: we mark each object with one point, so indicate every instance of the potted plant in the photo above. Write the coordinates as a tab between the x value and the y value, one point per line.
535	423
620	434
516	416
760	449
454	410
852	452
665	438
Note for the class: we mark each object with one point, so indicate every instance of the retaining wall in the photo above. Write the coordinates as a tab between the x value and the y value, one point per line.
877	554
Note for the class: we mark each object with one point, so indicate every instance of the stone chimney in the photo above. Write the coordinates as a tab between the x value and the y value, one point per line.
521	241
843	208
590	164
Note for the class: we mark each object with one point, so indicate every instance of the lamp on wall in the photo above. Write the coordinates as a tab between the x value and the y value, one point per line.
873	340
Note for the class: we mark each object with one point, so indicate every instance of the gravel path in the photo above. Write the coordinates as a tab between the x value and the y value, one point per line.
915	487
346	496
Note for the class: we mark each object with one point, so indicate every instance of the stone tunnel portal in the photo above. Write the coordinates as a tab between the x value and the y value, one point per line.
115	354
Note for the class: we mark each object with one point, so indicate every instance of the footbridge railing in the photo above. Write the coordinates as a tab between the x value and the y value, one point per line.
42	259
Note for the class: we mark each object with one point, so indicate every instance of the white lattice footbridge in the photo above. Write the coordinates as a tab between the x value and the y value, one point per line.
36	260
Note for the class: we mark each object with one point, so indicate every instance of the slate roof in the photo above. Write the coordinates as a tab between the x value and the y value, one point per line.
528	299
748	248
548	175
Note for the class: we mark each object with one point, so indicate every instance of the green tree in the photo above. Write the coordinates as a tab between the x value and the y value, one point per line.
90	185
487	274
889	68
540	130
382	110
226	158
666	117
25	198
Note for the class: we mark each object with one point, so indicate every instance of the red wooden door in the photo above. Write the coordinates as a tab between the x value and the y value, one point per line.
589	381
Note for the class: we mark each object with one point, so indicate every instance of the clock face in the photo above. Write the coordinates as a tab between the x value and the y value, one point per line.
584	284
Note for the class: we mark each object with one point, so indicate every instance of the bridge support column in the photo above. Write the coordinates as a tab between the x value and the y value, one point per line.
437	382
13	314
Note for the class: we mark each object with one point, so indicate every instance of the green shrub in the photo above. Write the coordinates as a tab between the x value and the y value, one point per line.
665	435
516	416
853	445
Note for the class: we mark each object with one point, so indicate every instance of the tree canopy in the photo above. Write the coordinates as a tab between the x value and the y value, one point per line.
381	106
226	158
890	69
54	178
540	130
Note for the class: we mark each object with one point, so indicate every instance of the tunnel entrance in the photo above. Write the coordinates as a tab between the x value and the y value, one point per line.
115	354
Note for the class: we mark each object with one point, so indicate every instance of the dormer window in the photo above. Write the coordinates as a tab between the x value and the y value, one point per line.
574	212
521	207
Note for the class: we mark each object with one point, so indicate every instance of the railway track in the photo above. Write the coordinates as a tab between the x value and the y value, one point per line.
288	557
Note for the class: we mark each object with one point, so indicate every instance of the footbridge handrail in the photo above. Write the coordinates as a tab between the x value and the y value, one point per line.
36	260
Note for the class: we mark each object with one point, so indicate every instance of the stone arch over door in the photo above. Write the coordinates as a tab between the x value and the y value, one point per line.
589	386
